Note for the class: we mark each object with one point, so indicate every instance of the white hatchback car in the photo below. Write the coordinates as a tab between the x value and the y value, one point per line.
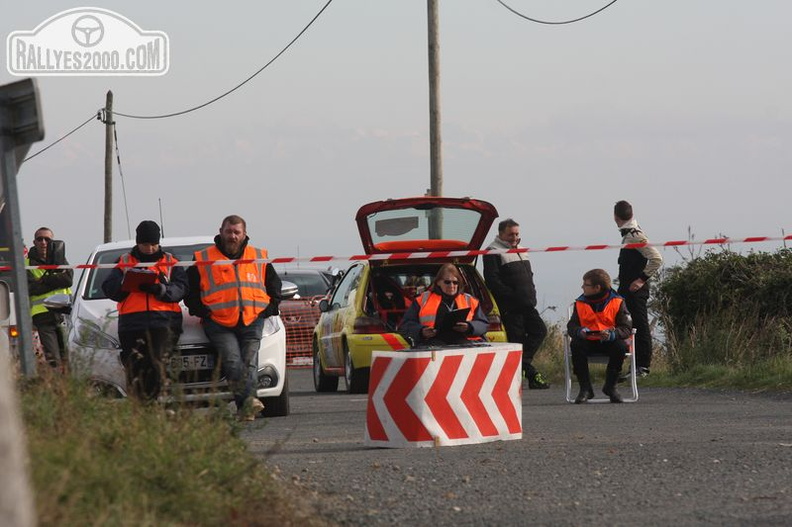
195	374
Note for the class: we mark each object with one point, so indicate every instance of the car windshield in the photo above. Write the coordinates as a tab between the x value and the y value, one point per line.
93	289
308	283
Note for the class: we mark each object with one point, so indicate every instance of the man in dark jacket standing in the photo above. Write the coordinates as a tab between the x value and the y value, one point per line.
510	278
636	267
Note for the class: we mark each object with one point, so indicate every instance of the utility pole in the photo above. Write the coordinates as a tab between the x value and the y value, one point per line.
108	204
435	143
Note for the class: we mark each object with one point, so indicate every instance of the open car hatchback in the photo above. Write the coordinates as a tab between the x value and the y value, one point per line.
365	308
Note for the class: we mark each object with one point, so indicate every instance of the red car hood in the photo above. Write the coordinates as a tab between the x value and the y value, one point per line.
424	224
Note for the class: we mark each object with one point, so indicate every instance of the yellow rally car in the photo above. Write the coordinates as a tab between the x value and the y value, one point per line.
363	313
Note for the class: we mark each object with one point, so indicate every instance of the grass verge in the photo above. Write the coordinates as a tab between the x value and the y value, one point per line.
97	461
766	374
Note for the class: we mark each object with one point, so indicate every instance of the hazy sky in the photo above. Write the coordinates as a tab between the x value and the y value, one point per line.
681	107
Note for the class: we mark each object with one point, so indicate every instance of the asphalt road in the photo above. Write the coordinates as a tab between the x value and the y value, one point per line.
676	457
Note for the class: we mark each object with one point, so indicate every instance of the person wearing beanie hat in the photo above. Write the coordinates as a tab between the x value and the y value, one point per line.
149	315
147	232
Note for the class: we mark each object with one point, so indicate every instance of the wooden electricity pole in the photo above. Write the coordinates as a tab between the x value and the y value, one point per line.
435	143
108	202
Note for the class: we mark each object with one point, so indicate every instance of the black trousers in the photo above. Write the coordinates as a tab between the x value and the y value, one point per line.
142	354
581	351
527	328
636	305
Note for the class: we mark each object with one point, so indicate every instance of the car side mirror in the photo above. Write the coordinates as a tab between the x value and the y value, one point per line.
324	305
288	290
60	303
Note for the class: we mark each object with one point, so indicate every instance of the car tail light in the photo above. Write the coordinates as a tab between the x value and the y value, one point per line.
13	332
369	325
494	323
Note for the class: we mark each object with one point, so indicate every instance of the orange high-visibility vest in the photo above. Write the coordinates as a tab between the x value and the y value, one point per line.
233	290
429	302
598	321
138	301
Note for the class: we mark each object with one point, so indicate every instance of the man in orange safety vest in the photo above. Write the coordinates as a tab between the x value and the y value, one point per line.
233	301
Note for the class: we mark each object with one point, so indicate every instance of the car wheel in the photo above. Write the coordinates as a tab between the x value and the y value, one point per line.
277	406
103	389
322	382
357	379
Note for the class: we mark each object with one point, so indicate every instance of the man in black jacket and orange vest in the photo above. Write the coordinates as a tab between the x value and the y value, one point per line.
599	324
149	315
233	301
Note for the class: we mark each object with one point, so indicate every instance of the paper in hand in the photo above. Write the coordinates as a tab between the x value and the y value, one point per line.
135	277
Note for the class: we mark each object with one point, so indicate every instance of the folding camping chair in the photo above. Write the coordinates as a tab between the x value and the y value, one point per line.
629	359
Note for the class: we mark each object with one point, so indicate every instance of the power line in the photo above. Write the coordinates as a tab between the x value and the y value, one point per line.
552	23
281	52
98	116
121	173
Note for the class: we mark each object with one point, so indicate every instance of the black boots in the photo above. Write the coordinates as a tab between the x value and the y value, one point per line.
586	393
611	376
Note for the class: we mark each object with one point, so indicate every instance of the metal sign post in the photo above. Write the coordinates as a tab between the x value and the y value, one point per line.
19	128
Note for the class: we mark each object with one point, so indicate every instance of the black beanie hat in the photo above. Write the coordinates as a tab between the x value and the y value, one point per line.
147	232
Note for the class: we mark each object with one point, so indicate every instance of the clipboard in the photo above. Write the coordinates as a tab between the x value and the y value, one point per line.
135	277
452	317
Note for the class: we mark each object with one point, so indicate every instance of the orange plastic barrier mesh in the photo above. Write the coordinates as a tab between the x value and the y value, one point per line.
300	318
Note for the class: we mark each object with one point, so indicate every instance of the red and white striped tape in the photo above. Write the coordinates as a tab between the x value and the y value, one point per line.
431	254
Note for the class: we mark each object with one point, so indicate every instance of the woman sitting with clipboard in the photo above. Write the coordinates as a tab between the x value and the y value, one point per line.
445	314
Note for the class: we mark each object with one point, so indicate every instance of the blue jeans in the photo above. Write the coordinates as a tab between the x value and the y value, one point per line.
238	349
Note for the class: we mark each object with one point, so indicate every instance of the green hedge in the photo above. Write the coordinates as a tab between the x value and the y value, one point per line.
727	308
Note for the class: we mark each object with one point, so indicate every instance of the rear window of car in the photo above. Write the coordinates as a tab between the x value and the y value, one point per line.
93	288
308	284
424	222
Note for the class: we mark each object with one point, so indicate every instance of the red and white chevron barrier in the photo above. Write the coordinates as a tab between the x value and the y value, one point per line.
435	254
445	397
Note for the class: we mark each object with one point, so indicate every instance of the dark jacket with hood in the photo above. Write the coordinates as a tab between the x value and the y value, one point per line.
53	279
411	327
510	278
173	289
622	323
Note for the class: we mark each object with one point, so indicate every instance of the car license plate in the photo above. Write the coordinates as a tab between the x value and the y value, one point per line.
192	362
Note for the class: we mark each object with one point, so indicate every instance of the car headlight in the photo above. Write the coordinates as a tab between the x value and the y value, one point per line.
90	336
271	326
